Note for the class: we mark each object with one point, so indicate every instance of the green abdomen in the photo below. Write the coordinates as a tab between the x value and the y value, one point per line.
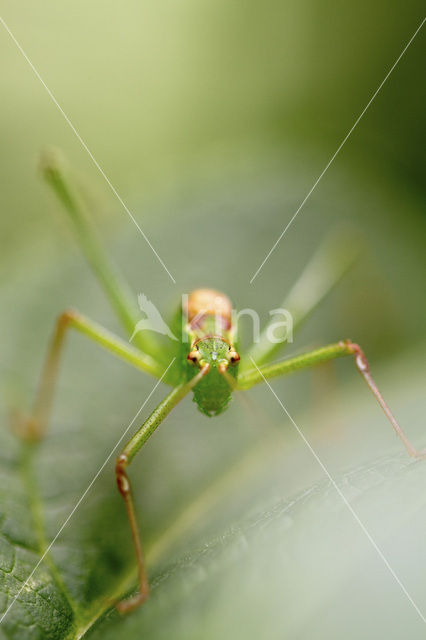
212	394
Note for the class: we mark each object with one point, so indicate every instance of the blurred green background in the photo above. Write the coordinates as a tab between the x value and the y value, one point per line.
213	121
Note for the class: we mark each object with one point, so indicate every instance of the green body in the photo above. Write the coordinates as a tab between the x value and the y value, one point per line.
213	393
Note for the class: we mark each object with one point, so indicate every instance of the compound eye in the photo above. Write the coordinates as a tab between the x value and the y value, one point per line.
194	356
232	357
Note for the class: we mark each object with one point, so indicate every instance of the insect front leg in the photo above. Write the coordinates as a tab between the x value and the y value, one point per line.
33	427
324	354
124	488
364	368
123	482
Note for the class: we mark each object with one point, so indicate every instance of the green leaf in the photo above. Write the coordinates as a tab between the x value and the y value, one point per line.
244	535
248	555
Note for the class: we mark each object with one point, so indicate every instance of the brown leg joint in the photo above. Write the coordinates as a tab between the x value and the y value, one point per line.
360	358
121	475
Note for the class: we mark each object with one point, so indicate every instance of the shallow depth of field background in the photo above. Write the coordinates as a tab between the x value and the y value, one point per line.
213	121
